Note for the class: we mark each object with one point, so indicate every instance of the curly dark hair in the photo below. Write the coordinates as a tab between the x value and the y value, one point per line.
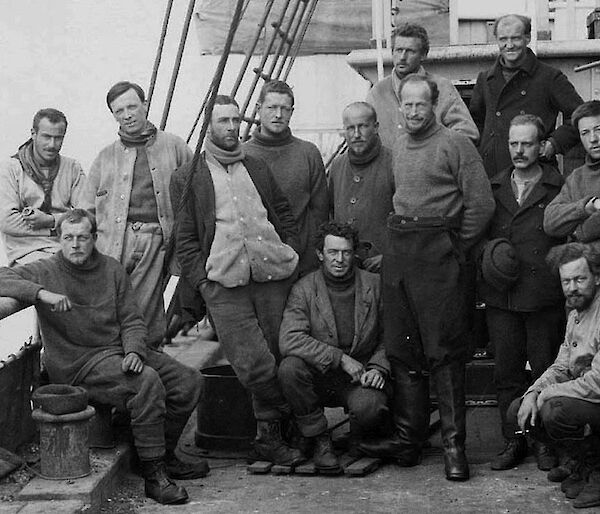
569	252
335	228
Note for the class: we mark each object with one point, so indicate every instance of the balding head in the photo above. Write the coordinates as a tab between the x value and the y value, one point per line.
360	127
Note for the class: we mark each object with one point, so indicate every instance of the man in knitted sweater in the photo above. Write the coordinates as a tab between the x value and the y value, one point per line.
410	46
94	337
332	349
296	165
442	205
361	183
575	211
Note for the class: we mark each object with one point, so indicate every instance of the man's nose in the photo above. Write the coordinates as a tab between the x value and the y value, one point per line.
519	148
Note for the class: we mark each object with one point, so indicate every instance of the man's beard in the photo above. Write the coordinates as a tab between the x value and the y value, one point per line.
579	302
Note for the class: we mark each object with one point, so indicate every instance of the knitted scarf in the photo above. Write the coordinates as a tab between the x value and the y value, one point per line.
225	157
140	139
31	168
278	140
364	159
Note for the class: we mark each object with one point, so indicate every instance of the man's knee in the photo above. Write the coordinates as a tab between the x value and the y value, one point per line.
557	418
293	370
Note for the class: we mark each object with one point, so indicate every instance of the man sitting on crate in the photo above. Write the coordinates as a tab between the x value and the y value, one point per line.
94	336
330	341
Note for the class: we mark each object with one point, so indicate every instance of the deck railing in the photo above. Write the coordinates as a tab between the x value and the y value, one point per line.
19	374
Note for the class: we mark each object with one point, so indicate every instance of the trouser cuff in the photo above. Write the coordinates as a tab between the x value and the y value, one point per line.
312	424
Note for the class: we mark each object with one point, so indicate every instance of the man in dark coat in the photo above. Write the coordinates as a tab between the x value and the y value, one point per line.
519	83
331	341
236	242
525	313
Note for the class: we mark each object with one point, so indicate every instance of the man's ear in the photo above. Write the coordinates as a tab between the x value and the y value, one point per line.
542	146
319	254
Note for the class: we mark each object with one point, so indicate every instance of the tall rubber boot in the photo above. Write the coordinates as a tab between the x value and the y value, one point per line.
449	380
410	416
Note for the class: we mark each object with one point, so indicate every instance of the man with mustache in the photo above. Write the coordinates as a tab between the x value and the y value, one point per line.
37	185
361	183
524	303
519	83
562	407
128	190
442	205
575	212
410	47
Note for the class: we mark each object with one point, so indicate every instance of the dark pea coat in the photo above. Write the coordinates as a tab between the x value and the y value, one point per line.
535	89
537	286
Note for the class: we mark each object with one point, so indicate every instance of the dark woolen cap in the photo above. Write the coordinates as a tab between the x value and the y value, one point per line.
499	265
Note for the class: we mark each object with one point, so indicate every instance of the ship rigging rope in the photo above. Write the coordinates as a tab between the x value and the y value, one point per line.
159	51
214	88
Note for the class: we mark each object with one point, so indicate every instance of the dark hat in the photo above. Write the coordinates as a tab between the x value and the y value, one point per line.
499	265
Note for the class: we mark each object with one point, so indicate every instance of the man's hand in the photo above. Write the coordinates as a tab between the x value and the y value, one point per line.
528	410
38	220
57	302
132	363
373	264
372	378
352	367
592	206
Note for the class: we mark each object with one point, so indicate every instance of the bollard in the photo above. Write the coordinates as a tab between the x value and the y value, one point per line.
64	449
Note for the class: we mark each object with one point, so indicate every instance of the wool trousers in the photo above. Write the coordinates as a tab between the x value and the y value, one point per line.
247	320
159	400
143	258
308	391
518	338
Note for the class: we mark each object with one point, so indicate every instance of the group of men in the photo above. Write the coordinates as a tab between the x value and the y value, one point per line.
348	290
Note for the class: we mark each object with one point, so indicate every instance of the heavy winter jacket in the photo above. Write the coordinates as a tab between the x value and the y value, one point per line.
522	225
195	228
535	89
308	329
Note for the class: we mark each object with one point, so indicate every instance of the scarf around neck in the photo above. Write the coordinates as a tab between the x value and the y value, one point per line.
368	156
140	139
225	157
25	156
278	140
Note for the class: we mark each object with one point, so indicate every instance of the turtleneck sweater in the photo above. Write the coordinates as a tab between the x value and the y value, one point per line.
438	172
104	319
360	193
298	169
342	296
566	215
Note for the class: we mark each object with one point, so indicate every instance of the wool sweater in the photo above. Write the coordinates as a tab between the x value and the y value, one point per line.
298	169
566	216
439	173
18	190
362	196
576	371
104	319
450	109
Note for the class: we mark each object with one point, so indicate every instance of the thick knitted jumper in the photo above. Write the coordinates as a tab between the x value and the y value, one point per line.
298	169
439	173
103	321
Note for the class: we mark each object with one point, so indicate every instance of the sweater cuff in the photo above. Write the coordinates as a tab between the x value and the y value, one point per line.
135	346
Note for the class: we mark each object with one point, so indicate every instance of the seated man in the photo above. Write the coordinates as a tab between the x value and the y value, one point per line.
95	337
562	407
330	341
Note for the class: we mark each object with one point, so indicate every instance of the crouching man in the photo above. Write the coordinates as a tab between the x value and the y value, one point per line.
330	341
95	337
562	407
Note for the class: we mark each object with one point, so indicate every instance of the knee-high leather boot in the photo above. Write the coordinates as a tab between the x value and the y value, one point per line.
449	380
410	415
